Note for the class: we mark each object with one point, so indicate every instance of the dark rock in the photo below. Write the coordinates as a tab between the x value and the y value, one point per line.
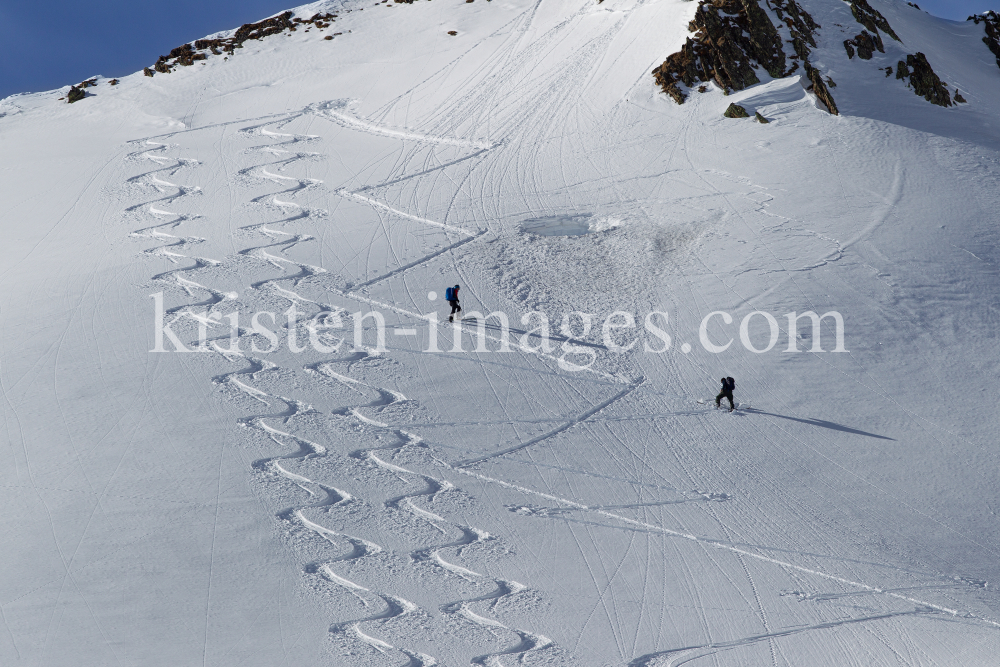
801	27
147	71
679	67
866	45
75	94
870	18
181	51
328	37
736	111
263	28
821	91
452	32
182	55
113	82
923	80
888	71
959	99
764	39
801	20
992	38
802	51
702	89
732	38
760	119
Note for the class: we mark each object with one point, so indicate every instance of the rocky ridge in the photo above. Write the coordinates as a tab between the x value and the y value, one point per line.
186	55
917	72
865	44
992	23
734	38
870	18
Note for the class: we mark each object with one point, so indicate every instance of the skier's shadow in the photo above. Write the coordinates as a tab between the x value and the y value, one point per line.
820	422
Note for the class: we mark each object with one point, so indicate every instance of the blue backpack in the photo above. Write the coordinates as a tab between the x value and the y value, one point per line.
449	294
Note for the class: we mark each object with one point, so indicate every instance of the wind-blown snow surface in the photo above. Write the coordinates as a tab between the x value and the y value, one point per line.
363	508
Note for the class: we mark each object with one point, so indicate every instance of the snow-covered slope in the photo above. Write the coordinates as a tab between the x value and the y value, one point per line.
366	506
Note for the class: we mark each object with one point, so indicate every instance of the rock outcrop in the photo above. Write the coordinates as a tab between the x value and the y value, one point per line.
992	38
735	111
186	55
915	70
870	18
919	76
801	27
78	92
865	44
733	39
820	90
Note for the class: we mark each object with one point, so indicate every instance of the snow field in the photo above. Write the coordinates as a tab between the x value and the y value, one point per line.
361	508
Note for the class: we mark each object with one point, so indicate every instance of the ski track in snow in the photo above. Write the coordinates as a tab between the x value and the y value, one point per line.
322	496
169	250
432	488
325	496
328	497
335	110
557	430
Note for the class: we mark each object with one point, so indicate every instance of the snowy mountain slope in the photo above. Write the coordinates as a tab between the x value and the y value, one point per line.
364	507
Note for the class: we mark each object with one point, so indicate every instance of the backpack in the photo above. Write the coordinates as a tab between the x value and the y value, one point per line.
449	294
731	384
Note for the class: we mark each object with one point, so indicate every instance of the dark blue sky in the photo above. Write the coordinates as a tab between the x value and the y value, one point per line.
47	45
957	10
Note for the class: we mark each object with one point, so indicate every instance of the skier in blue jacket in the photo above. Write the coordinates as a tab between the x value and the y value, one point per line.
451	294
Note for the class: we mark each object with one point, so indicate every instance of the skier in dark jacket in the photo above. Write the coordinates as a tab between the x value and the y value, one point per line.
728	385
453	300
